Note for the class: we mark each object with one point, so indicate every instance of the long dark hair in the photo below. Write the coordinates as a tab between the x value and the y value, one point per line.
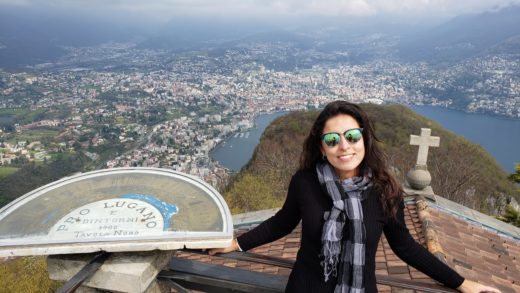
374	160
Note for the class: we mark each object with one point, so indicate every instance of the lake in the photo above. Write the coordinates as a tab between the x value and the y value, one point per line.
500	136
238	149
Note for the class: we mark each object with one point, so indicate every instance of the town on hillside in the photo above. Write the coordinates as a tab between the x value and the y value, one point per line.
158	109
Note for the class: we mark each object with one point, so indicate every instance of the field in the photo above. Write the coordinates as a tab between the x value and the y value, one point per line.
34	135
4	171
23	115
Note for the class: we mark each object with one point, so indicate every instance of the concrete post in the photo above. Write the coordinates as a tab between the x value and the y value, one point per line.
133	272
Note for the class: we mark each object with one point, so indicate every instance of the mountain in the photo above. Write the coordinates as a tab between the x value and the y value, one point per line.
200	33
23	41
34	35
461	171
464	37
29	36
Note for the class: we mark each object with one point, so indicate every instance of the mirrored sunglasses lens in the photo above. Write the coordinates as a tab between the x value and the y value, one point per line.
353	135
331	139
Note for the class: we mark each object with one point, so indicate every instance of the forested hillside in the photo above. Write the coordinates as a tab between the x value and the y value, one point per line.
31	176
461	171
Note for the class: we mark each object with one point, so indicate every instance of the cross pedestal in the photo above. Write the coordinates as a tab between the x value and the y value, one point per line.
121	272
418	179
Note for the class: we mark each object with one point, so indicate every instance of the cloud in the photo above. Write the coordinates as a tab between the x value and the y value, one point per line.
281	8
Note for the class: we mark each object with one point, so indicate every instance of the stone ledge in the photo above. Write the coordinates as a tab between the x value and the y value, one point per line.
427	192
432	241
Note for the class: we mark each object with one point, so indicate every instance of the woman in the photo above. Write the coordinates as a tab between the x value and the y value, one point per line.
345	197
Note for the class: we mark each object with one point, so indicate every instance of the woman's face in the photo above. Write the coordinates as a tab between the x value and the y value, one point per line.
346	156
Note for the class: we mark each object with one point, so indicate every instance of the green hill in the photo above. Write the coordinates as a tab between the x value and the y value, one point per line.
461	171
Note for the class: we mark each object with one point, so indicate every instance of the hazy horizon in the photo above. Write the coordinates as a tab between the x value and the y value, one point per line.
276	13
428	30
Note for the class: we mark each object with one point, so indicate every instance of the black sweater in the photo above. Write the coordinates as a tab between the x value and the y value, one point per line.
307	202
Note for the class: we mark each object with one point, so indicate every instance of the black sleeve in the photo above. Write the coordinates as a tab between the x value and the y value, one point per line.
279	225
415	254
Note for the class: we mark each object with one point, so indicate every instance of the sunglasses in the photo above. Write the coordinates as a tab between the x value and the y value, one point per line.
332	139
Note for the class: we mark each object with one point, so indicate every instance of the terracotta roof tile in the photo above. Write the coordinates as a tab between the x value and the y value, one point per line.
384	289
476	253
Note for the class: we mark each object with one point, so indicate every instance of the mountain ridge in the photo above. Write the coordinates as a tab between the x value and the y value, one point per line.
29	37
463	37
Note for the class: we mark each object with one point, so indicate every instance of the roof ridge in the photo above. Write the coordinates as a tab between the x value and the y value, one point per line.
492	224
432	241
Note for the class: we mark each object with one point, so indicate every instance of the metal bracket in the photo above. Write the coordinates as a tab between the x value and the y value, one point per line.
87	271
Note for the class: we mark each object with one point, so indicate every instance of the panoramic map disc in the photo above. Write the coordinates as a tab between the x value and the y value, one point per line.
122	209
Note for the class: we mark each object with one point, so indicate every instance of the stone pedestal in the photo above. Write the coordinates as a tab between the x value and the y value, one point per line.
121	272
418	182
427	192
419	177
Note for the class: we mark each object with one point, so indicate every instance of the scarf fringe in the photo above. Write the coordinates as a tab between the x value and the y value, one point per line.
331	253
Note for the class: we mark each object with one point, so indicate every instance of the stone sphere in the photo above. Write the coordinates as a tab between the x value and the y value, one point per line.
418	179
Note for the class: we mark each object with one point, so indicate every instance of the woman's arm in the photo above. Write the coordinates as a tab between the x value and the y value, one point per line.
415	254
279	225
420	258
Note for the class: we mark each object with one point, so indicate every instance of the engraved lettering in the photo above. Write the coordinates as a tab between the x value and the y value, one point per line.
110	218
70	220
141	210
125	233
148	216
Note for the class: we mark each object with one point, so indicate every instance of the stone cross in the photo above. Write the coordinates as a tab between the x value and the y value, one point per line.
424	142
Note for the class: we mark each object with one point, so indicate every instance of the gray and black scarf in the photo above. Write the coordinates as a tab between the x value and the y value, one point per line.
343	242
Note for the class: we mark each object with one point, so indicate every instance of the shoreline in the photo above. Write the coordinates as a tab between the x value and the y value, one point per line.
471	126
232	134
485	113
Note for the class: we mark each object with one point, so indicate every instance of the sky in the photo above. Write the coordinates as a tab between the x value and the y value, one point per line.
164	10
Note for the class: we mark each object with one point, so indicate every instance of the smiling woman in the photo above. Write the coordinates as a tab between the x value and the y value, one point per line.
345	198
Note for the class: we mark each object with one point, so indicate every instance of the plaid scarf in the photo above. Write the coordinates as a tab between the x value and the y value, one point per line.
343	255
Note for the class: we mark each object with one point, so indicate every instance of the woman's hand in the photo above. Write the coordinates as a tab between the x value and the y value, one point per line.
230	248
473	287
